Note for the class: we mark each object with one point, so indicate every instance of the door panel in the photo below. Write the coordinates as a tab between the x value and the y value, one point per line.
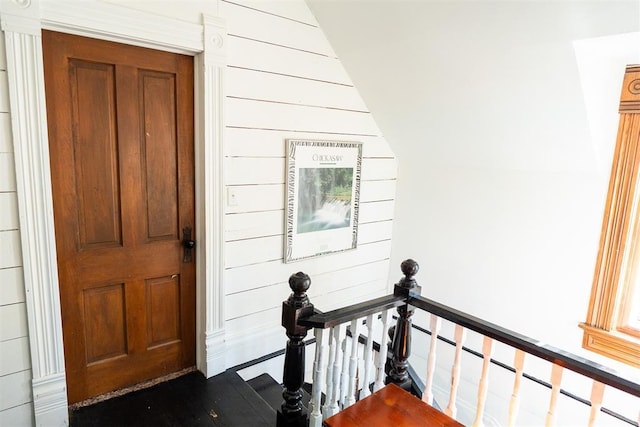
105	333
159	155
92	96
163	310
121	147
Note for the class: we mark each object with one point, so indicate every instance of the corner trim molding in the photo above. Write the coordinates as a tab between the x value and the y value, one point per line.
22	23
210	78
40	269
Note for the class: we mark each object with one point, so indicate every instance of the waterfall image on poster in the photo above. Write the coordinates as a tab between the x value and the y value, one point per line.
324	199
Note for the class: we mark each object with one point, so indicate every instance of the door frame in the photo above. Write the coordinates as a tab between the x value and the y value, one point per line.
22	22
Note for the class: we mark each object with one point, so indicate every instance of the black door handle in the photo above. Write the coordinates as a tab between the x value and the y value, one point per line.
187	244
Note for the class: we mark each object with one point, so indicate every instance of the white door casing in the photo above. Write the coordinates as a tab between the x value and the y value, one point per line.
22	22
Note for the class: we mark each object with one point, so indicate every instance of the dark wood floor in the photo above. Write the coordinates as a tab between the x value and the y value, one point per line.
190	400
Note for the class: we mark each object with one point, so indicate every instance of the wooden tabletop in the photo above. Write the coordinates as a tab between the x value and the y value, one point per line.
391	406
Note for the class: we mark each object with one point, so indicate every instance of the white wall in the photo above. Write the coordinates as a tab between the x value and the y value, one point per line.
15	366
500	114
501	187
283	80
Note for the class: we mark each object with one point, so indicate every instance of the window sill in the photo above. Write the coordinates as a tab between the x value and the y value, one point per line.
621	347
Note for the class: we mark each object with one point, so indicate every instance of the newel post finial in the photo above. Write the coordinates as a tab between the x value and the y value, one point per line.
408	284
292	413
299	284
409	268
401	343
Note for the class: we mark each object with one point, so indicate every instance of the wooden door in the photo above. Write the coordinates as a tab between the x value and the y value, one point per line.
121	146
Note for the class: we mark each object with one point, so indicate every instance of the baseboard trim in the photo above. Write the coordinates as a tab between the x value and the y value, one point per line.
50	400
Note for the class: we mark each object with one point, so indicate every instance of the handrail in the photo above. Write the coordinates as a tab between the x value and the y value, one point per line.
351	312
299	315
547	352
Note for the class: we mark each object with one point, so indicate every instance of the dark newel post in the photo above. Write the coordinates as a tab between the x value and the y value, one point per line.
401	343
292	413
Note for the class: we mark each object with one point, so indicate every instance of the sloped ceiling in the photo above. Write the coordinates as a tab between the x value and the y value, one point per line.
500	185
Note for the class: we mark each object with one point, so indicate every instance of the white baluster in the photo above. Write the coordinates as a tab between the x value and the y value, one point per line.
514	405
597	393
556	378
335	396
330	386
353	363
368	359
344	374
427	396
381	360
487	351
459	335
315	417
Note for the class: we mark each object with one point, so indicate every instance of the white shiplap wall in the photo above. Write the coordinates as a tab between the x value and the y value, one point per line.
15	368
282	81
285	81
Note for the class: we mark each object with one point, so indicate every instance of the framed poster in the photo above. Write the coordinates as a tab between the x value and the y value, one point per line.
323	192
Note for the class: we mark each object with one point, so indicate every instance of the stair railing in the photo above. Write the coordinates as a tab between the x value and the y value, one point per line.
346	371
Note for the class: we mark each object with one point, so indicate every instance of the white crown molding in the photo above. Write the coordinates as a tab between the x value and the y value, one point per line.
117	23
22	21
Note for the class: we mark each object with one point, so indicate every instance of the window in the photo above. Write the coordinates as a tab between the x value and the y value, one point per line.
613	321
